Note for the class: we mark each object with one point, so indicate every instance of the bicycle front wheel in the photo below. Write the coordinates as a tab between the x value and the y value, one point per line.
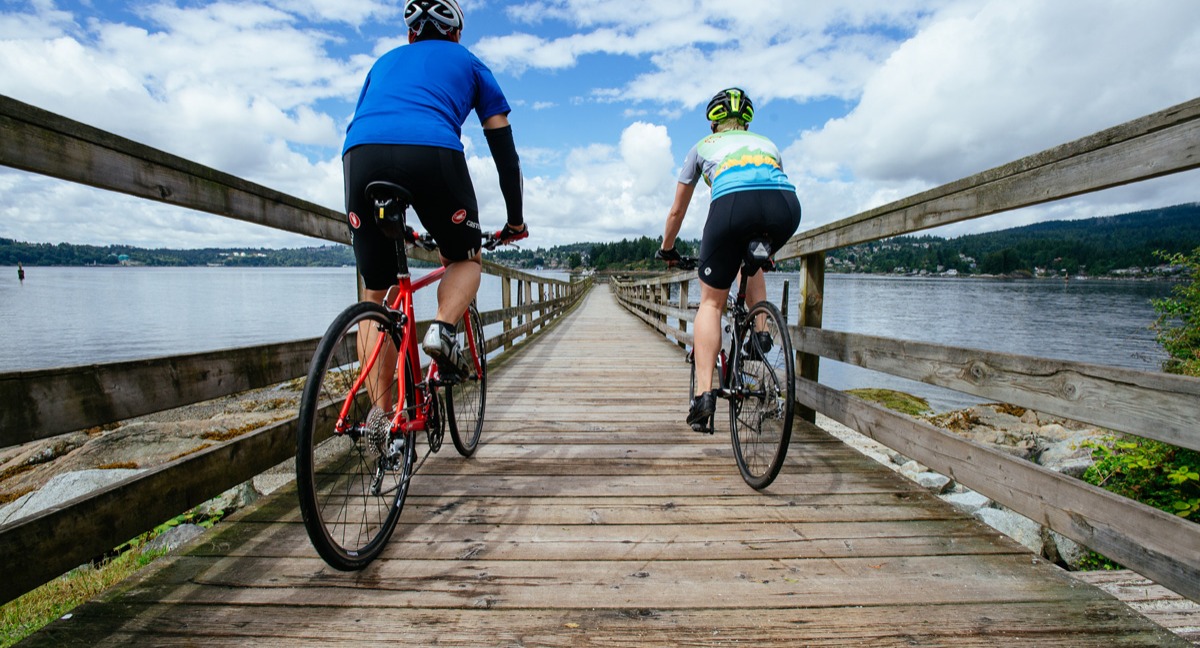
353	478
465	399
762	394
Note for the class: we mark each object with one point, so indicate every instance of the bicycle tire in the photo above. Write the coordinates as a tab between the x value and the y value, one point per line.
349	518
762	395
467	398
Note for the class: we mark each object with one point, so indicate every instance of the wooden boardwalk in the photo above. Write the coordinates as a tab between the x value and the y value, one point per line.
591	515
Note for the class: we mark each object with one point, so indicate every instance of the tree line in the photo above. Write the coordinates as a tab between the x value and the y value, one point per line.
1096	246
68	254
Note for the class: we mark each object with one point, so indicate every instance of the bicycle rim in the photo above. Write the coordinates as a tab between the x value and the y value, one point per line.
762	399
465	400
352	486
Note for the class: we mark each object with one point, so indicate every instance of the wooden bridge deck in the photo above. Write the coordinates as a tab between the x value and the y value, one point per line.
592	516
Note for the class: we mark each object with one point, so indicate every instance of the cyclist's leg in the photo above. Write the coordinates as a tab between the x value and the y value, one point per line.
374	254
449	211
458	287
718	264
707	334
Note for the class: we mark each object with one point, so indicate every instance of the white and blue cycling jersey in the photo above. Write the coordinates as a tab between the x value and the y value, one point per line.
735	160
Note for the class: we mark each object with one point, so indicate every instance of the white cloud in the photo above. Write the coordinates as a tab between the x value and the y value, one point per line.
604	193
987	83
978	89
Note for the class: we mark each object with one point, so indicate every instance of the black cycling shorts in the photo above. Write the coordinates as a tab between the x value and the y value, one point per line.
737	218
443	198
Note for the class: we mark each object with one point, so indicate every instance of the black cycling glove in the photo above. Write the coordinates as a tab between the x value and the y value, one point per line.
670	256
508	166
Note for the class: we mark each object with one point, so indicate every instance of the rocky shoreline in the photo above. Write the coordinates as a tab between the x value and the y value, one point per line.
45	473
1052	442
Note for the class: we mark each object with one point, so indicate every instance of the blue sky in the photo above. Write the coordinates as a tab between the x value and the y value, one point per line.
870	100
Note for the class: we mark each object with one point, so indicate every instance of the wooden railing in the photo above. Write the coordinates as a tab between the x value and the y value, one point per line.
41	404
1165	407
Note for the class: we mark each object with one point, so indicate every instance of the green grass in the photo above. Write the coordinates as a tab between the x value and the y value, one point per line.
35	610
27	614
895	401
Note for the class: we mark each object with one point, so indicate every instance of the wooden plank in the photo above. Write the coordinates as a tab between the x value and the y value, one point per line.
1157	603
745	584
1150	404
35	140
41	404
1163	547
1163	143
1050	624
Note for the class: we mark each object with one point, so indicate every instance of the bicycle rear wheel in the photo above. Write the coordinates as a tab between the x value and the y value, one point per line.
466	398
352	484
762	394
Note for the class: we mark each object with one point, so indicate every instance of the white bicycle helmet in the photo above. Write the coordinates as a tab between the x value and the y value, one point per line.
445	15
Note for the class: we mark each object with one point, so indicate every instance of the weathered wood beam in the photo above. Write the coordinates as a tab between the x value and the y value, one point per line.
1162	547
1156	405
42	142
44	403
1160	144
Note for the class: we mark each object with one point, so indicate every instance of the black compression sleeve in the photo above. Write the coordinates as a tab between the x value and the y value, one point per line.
508	165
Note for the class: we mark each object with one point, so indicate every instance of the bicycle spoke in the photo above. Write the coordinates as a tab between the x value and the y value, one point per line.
352	480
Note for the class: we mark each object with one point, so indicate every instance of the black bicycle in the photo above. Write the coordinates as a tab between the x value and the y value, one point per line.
756	371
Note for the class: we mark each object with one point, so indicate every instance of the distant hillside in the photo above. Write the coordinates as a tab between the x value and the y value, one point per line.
67	254
1095	246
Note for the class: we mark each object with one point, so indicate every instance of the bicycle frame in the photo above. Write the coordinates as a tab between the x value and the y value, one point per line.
402	303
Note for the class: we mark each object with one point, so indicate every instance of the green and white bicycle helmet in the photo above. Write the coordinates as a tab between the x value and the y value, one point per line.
444	15
730	102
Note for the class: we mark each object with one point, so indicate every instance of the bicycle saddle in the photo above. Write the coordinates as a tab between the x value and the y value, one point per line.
382	192
758	255
391	201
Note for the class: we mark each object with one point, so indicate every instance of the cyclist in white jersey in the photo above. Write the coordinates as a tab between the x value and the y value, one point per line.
751	197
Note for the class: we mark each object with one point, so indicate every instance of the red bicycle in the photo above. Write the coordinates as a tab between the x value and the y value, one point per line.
367	398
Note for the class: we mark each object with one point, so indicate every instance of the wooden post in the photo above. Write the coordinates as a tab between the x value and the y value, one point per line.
506	303
683	305
812	299
542	301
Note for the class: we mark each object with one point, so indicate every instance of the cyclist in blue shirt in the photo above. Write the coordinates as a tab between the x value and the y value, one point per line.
407	129
751	196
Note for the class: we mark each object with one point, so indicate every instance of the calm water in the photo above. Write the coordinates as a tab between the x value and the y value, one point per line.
1096	321
72	316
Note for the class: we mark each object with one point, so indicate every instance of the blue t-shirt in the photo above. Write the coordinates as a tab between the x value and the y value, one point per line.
735	160
422	94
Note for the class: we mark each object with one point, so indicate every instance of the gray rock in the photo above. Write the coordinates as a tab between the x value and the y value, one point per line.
175	538
934	482
911	469
61	488
1063	550
231	500
967	501
1020	528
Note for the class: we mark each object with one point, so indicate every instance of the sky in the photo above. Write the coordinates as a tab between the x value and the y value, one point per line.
869	101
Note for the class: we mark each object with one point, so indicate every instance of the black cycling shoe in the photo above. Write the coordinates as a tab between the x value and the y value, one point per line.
702	409
758	345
